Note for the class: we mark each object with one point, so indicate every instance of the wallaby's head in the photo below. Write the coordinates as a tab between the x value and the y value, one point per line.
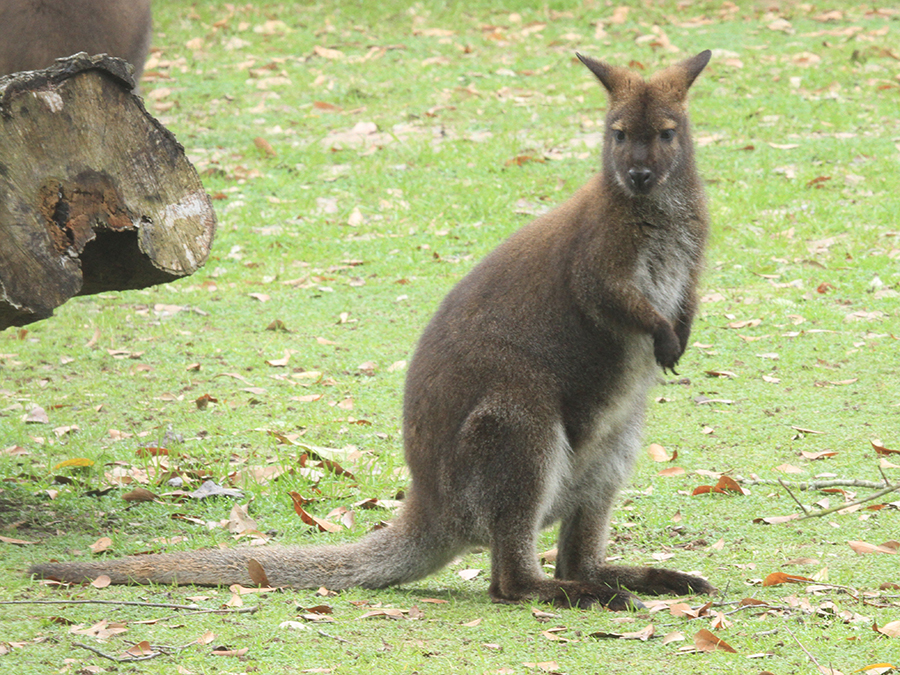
648	141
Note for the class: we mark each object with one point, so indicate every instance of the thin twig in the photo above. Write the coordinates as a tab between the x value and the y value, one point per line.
117	659
841	507
196	609
805	651
333	637
99	602
812	485
788	490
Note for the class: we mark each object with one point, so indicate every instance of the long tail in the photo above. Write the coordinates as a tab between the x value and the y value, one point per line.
392	555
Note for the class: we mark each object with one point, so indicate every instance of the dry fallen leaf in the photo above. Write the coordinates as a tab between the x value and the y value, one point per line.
881	450
777	578
707	642
659	454
891	629
206	638
725	485
18	542
101	582
101	545
140	649
225	651
139	494
861	547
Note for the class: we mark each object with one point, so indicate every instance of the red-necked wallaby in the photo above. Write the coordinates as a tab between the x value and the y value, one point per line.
525	398
35	32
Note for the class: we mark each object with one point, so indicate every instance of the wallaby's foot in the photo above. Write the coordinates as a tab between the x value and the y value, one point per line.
572	594
670	582
651	580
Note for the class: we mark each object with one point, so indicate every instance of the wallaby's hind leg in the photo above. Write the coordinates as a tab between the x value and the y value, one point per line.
520	498
583	534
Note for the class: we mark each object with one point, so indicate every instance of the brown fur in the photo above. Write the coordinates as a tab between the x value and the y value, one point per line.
35	32
525	398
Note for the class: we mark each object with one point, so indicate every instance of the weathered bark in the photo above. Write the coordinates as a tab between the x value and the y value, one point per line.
95	194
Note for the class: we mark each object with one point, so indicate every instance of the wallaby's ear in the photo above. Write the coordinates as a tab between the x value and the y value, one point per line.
693	66
680	76
612	77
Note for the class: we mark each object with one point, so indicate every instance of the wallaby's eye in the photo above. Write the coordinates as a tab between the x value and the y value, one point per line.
667	134
619	135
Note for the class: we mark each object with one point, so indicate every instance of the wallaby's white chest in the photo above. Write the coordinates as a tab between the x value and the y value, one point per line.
663	274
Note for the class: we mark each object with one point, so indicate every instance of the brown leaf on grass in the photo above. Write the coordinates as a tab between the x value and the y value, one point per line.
17	542
778	578
367	368
619	15
324	106
719	622
142	648
659	454
101	545
101	582
891	629
102	630
278	325
206	638
320	523
151	451
37	415
384	613
725	485
788	468
139	494
307	398
881	450
822	454
226	651
681	609
519	160
280	363
705	641
674	636
546	666
777	520
265	147
818	181
724	374
861	547
203	402
671	471
239	520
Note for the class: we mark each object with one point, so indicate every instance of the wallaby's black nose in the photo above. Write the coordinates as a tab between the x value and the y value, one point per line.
640	178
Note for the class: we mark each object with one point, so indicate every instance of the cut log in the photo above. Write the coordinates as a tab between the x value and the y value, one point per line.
95	194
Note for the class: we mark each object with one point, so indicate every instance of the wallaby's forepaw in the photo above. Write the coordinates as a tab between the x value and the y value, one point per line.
666	347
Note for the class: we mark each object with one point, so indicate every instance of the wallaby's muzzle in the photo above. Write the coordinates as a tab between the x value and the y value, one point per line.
641	180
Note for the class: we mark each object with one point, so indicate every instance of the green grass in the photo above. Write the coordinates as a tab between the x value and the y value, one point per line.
436	191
